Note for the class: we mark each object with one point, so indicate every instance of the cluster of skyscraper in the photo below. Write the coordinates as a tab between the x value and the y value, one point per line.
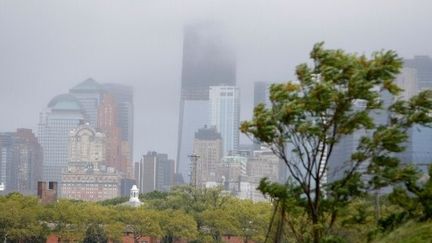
85	137
81	135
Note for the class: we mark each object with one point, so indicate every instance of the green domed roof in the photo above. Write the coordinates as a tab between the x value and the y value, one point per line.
65	102
88	85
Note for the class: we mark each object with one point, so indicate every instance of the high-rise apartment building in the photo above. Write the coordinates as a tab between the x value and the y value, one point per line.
208	147
208	60
20	161
63	114
225	116
155	172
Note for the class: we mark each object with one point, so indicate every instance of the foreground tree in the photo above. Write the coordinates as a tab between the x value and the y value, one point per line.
141	222
20	219
309	117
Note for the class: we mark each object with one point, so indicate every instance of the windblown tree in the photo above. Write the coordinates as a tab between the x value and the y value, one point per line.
309	117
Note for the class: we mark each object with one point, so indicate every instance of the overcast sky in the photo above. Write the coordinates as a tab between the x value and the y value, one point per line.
47	47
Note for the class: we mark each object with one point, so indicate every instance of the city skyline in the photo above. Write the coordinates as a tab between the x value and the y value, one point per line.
47	49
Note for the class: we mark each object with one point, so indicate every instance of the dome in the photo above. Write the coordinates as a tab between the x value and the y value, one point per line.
65	102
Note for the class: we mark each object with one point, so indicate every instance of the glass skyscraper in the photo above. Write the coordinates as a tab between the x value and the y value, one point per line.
225	116
208	60
64	113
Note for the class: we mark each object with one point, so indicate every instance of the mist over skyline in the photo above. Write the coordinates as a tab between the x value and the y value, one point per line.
47	47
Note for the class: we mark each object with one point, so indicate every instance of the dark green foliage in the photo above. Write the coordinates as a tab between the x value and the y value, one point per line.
95	234
415	196
114	201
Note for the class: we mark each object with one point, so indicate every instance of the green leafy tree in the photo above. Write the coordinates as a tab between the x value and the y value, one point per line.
309	117
415	196
95	234
66	218
20	219
176	224
250	219
141	222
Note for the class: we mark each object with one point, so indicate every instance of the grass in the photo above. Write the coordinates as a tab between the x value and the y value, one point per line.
411	232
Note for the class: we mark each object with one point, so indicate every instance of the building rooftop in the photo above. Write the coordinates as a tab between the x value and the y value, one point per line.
207	133
87	85
65	102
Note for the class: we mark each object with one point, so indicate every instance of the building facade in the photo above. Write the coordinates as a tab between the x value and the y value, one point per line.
155	172
63	114
20	161
415	77
208	60
123	97
87	177
107	123
208	147
89	94
225	116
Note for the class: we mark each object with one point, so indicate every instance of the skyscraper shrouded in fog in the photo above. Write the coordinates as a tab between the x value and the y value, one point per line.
64	113
89	94
208	60
123	96
108	107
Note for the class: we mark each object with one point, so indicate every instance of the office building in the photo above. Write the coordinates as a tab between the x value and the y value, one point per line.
208	60
107	123
20	161
155	172
63	114
89	94
208	147
225	116
123	97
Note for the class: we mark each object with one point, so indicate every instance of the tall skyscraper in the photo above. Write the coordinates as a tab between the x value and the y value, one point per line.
89	94
155	172
20	161
107	122
63	114
225	115
208	147
123	96
208	60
